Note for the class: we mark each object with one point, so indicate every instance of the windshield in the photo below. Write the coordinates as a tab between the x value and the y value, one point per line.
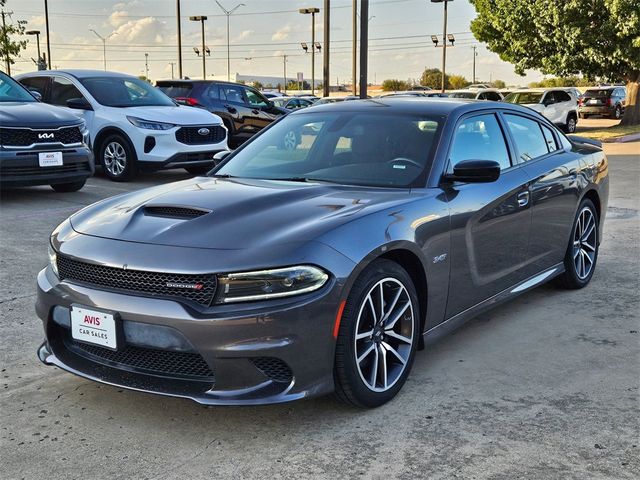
125	92
597	93
12	91
523	97
355	148
462	95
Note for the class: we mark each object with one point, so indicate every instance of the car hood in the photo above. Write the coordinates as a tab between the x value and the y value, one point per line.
242	213
178	115
34	114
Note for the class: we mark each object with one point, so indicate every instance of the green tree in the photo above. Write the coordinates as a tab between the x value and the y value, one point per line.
394	85
595	38
432	77
498	84
258	85
9	48
458	81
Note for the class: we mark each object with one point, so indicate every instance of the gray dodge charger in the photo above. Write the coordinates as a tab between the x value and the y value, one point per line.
290	273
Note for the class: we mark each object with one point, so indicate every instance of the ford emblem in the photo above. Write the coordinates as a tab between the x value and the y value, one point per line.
203	131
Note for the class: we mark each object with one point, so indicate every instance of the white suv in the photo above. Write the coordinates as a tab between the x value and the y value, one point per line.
132	125
492	94
558	105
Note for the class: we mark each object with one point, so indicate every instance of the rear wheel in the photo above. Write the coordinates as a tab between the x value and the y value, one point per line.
68	187
378	336
118	159
582	252
617	113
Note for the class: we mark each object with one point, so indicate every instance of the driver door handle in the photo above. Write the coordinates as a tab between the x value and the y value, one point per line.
255	112
230	109
523	199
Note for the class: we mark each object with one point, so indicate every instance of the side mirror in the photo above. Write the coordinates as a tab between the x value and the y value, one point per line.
475	171
80	103
218	157
36	94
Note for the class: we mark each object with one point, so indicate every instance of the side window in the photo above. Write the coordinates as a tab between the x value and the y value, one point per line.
562	96
212	92
232	94
255	99
549	138
39	84
479	138
493	96
530	142
549	98
62	90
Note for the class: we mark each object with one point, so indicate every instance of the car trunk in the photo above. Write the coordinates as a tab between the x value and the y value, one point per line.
179	91
596	97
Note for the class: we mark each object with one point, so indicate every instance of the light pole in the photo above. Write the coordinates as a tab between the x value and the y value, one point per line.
354	52
172	65
104	45
201	19
46	20
179	39
325	58
475	54
146	66
37	34
444	41
228	14
312	11
284	64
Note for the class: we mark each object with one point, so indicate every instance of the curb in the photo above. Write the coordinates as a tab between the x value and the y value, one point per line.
634	137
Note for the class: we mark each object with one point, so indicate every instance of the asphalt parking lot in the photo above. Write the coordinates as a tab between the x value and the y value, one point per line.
544	387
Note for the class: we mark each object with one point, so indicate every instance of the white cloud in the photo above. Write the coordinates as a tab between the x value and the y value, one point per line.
144	30
36	21
282	34
118	18
243	36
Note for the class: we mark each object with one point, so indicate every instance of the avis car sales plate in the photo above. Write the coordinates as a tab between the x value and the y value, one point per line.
50	159
92	326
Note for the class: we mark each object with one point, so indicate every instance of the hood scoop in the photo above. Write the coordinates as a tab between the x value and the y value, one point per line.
178	212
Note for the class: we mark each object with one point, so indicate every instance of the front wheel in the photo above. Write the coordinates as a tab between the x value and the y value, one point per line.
582	252
378	336
118	158
570	125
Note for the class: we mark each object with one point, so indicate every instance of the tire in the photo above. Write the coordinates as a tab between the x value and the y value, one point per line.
68	187
118	159
199	170
290	141
617	113
582	252
571	123
356	382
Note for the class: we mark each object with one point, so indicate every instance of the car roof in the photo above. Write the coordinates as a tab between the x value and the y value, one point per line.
80	73
416	105
540	90
195	80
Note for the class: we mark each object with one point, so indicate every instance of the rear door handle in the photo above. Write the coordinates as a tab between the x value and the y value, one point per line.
523	199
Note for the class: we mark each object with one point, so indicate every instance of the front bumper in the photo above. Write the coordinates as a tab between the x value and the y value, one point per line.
21	168
259	353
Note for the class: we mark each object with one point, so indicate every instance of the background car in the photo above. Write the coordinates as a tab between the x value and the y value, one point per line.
556	104
243	109
606	101
40	144
289	274
132	125
272	94
291	103
477	94
577	94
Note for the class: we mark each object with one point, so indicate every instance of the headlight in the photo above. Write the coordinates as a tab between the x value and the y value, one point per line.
53	260
149	124
268	284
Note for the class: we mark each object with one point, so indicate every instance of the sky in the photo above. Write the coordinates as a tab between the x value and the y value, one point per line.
261	32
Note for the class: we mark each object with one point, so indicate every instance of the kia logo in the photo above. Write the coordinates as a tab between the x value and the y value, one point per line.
203	131
45	136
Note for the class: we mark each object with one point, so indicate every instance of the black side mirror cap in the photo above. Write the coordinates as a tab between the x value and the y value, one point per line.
475	171
80	103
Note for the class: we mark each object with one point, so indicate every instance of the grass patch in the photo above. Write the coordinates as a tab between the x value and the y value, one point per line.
609	133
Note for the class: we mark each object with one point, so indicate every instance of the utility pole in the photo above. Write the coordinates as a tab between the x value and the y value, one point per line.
364	46
146	65
228	14
354	65
284	64
46	20
475	54
444	42
172	65
201	19
325	57
179	40
6	42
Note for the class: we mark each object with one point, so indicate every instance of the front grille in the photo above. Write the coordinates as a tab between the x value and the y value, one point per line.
174	212
197	288
36	171
190	135
24	137
274	368
146	360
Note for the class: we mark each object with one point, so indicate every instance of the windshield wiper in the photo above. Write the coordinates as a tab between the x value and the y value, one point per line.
222	175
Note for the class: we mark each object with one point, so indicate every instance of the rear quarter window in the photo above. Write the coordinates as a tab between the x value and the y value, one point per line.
176	90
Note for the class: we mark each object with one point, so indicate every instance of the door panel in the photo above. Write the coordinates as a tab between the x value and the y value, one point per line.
232	98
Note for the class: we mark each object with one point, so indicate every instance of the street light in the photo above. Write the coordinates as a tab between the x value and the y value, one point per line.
312	11
444	40
228	14
434	39
104	45
451	38
305	47
37	34
201	19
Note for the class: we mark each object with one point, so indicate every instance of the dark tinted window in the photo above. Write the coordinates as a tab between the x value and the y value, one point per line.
549	138
562	96
39	84
211	92
597	93
493	96
62	90
530	142
232	94
479	138
175	90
